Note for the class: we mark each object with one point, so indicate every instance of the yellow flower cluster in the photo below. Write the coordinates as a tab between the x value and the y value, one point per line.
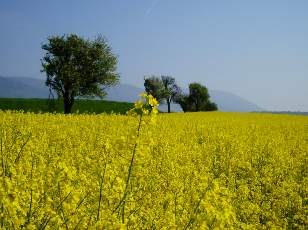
191	171
147	105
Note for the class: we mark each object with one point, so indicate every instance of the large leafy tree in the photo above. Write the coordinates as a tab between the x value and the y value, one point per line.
78	67
198	99
163	88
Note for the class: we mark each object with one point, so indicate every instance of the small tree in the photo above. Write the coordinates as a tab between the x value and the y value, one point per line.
183	101
211	106
163	88
198	95
197	100
170	90
154	86
78	67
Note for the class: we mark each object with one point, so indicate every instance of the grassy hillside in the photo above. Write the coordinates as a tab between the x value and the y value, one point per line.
80	106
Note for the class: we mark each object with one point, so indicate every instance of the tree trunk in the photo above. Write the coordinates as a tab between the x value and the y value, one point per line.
68	103
168	103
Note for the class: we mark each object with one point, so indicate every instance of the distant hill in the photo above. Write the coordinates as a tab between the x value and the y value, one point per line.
230	102
24	87
124	92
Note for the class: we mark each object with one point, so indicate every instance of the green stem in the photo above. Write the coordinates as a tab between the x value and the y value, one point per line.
31	194
22	147
129	172
101	181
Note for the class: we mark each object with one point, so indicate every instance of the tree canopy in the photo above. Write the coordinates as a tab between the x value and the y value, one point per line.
163	88
170	89
198	99
154	86
78	67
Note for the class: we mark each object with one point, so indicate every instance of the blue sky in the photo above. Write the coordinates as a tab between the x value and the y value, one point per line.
255	49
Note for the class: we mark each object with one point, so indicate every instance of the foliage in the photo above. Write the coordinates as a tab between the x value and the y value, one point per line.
184	101
209	106
197	100
81	105
78	67
154	86
194	170
163	88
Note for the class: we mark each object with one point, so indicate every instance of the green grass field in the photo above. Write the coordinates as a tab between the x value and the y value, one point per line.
80	106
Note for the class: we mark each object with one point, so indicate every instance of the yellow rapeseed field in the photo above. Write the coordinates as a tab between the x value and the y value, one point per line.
187	171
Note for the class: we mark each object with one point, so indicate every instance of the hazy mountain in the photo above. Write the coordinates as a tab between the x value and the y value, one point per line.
24	87
230	102
124	92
